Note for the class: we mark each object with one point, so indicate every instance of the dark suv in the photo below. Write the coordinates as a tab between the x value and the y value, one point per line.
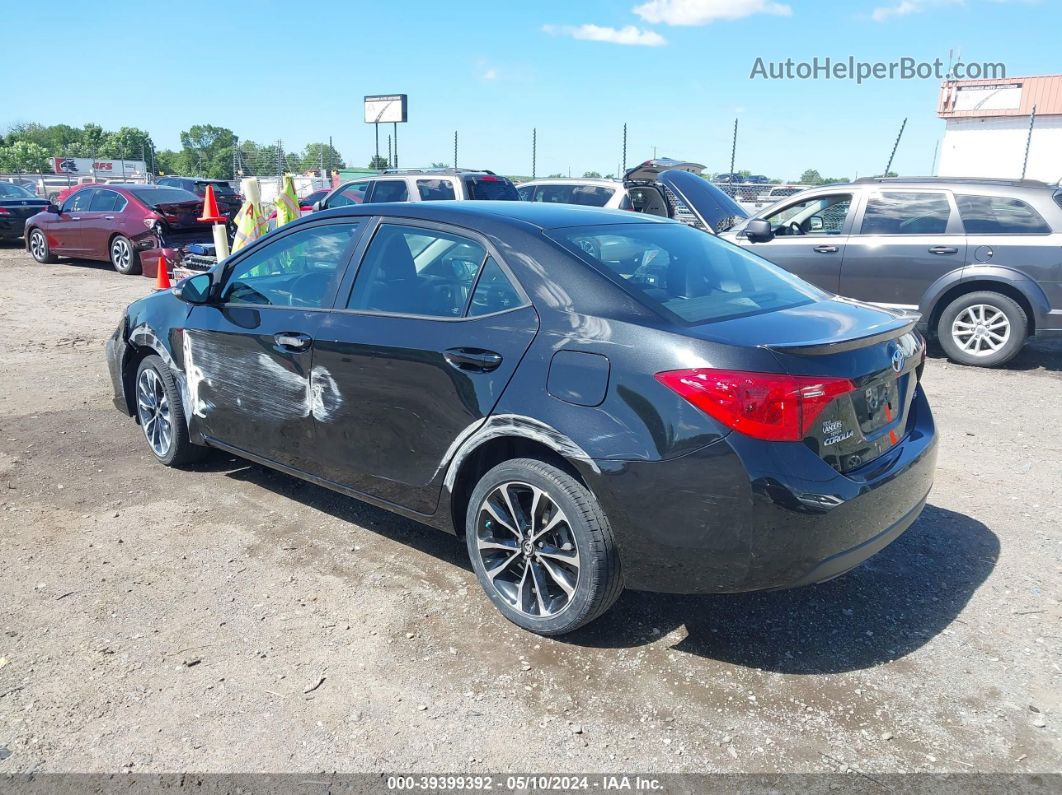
981	259
229	199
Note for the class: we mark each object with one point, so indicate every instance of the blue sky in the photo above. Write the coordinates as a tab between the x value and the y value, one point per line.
677	71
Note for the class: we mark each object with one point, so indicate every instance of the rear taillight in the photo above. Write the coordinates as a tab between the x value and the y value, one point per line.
778	408
4	211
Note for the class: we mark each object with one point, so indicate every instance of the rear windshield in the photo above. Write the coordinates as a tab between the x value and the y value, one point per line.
219	187
588	195
684	273
154	195
491	189
11	191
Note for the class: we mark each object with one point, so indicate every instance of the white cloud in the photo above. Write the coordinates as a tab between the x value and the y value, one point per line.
905	7
701	12
489	74
625	35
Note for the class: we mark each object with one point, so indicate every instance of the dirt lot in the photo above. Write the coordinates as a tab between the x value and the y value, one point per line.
232	619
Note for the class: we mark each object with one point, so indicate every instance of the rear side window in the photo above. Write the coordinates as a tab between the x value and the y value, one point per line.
435	189
490	188
389	190
999	215
413	271
684	273
587	195
906	214
494	292
103	202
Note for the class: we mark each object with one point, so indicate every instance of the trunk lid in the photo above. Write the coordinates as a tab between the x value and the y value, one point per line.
181	216
21	209
711	209
877	350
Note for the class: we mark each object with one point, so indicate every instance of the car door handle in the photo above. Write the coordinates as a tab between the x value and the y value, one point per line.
826	249
293	340
475	359
943	250
108	218
75	217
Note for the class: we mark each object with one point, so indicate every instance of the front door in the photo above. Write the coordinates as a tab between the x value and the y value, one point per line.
64	233
98	223
248	359
905	241
416	354
809	238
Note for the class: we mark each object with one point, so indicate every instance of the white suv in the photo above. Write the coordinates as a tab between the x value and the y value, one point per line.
420	185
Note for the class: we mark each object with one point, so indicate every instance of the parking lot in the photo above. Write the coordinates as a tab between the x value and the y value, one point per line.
233	618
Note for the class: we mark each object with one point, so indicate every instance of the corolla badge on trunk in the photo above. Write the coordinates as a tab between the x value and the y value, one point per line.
835	432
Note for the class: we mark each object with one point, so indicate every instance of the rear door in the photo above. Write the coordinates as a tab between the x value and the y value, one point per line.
905	241
384	191
419	347
810	237
1010	232
248	359
99	222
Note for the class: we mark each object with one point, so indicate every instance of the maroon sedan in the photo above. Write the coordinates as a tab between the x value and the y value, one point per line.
131	226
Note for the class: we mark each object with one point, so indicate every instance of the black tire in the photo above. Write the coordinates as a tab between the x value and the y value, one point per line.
967	340
179	450
39	249
598	580
124	256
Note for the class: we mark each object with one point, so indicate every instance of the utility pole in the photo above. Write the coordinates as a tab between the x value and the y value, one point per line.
280	158
933	168
396	144
733	148
376	161
534	149
894	147
623	158
455	149
1028	142
389	152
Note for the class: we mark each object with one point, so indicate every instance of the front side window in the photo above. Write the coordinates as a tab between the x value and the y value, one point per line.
525	192
999	215
80	201
354	193
907	213
435	189
684	273
414	271
299	269
586	195
389	190
104	201
823	215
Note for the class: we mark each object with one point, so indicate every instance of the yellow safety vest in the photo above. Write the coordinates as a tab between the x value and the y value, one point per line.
287	202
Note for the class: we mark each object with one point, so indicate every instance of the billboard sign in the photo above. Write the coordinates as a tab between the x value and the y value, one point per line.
86	166
385	108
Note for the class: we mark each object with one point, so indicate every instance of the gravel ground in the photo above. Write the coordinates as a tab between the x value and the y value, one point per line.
229	618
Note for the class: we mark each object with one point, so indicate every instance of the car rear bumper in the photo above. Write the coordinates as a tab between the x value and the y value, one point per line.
745	515
150	258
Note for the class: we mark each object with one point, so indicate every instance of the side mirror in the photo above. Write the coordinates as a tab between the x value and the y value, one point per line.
318	205
195	289
758	231
815	223
54	208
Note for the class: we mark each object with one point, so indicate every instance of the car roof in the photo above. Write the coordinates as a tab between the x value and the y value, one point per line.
515	213
602	181
980	184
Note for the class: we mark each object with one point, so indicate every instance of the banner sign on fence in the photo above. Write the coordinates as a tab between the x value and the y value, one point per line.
86	166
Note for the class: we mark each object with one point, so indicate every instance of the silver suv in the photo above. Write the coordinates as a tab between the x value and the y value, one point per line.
420	185
980	259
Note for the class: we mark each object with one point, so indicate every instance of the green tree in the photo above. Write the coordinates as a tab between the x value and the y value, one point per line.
555	176
24	156
811	177
208	150
317	154
169	162
128	143
591	175
440	165
378	162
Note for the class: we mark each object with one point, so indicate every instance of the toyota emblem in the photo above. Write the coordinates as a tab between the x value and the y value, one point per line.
899	359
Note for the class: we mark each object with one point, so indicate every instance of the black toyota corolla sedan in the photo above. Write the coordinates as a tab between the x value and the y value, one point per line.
593	399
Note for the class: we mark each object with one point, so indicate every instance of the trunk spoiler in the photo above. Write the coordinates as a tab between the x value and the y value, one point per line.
903	324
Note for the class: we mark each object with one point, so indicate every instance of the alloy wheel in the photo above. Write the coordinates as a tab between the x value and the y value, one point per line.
153	409
120	253
38	247
528	549
981	329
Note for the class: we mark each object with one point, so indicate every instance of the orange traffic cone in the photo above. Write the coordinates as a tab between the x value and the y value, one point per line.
210	208
162	278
